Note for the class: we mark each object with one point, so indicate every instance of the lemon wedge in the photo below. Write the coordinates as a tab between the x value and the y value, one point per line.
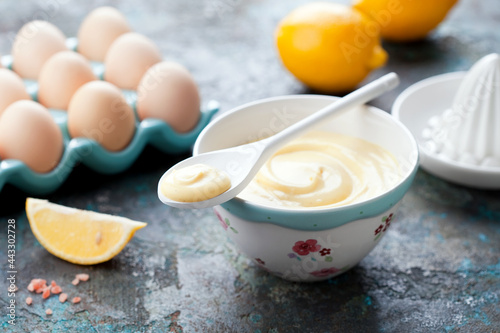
79	236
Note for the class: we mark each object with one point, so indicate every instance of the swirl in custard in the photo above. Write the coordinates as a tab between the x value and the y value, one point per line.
323	169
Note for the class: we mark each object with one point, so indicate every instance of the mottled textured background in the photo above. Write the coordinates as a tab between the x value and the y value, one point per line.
437	269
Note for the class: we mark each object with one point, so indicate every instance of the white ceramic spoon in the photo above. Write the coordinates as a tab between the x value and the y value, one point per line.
243	162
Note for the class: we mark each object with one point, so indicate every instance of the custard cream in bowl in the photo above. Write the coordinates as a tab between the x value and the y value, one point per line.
323	201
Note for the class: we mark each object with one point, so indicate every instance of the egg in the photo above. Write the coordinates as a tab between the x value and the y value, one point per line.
98	31
99	111
29	133
34	44
60	78
168	92
128	58
11	89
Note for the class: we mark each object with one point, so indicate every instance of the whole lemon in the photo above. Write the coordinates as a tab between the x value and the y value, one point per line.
405	20
329	47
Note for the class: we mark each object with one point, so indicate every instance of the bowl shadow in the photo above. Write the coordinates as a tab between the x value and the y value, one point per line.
342	303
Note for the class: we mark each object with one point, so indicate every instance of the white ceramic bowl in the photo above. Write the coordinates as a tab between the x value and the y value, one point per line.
310	244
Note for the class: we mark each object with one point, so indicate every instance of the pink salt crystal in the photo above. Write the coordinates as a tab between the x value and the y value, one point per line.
63	297
56	289
46	293
82	277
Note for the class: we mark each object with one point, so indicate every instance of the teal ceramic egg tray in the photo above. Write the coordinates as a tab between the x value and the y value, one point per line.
87	151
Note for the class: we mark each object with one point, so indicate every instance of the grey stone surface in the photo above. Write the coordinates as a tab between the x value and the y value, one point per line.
437	269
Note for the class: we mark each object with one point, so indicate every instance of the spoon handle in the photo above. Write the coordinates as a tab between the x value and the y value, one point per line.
357	97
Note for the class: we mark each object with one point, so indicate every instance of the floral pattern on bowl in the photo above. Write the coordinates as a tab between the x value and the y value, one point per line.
313	250
225	222
386	223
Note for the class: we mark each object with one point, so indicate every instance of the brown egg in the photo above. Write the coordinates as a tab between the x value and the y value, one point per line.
128	58
11	89
98	31
99	111
60	78
29	133
34	44
168	92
